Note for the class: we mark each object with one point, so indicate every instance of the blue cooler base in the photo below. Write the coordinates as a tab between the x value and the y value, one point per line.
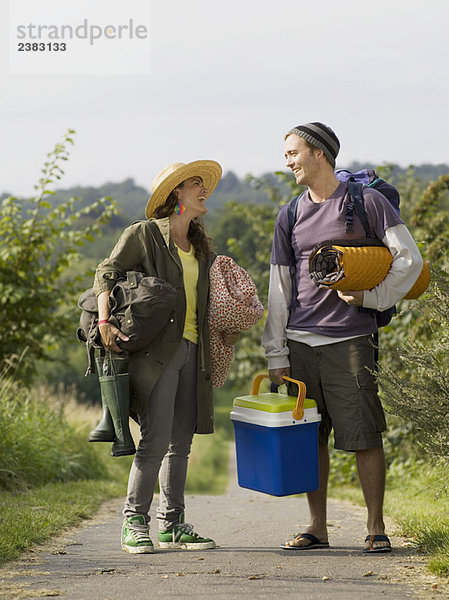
277	460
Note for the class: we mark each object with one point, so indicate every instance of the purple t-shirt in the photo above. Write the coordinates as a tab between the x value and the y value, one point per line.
319	310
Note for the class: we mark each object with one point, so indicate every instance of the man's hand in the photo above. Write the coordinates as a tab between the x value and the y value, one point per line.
353	298
108	334
276	374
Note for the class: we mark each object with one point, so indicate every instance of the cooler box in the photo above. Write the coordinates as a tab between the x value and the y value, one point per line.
276	438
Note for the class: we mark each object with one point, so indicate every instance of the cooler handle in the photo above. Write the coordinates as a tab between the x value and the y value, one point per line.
298	411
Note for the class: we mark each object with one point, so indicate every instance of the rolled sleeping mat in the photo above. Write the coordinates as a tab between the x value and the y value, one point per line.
349	264
421	284
357	265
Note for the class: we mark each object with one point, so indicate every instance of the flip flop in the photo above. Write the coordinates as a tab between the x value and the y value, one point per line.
314	542
377	538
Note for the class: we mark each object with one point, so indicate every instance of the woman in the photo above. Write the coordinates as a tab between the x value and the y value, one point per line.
171	378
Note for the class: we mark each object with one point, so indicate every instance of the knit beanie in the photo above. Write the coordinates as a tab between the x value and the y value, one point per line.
321	136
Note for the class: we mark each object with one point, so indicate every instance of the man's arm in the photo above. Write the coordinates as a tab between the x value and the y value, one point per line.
404	271
274	337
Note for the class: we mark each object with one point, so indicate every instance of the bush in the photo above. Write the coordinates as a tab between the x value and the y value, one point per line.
419	392
38	445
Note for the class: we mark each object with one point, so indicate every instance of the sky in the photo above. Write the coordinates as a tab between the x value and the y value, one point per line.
228	79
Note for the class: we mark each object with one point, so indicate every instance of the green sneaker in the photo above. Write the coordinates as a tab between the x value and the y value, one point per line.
183	536
135	535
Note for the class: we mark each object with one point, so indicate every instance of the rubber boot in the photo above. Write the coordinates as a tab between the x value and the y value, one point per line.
115	389
104	431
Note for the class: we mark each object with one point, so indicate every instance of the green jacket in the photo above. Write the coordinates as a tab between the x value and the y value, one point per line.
146	246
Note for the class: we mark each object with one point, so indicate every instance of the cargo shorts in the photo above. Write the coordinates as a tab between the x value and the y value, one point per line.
340	378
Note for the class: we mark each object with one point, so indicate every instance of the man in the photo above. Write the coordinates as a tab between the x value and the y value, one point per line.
324	338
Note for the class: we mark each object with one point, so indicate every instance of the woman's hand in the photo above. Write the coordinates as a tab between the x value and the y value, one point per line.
109	334
230	338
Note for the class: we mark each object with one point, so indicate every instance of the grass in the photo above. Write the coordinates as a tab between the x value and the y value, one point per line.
419	503
416	498
51	477
38	444
32	517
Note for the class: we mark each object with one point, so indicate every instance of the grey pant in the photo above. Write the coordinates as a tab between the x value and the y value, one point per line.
167	430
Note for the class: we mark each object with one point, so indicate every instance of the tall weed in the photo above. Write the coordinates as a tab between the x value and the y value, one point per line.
38	445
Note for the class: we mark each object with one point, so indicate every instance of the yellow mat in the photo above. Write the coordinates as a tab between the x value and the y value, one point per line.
421	284
360	267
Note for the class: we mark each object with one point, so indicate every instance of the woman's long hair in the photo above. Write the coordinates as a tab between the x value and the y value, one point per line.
196	234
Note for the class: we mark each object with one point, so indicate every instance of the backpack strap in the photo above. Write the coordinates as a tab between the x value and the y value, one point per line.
291	223
292	214
356	204
350	209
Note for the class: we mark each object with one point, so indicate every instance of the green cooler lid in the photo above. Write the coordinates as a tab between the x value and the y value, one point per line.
271	402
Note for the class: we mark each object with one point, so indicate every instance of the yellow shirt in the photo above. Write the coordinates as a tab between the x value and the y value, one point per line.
190	275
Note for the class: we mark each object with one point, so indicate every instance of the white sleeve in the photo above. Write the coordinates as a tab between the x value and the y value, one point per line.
274	337
404	271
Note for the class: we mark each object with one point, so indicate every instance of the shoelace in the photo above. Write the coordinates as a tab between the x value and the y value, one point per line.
185	528
140	532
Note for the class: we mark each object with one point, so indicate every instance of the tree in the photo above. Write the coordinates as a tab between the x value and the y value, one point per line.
424	209
38	245
431	220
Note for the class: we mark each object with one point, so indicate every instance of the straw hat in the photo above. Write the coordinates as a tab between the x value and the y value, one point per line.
170	177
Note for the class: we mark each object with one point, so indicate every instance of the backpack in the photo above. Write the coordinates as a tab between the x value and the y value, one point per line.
356	182
140	307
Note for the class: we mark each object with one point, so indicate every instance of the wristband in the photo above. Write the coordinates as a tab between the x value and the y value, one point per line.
103	321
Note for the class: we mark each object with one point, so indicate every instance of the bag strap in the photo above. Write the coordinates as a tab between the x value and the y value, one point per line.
132	279
356	204
90	360
292	270
91	345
